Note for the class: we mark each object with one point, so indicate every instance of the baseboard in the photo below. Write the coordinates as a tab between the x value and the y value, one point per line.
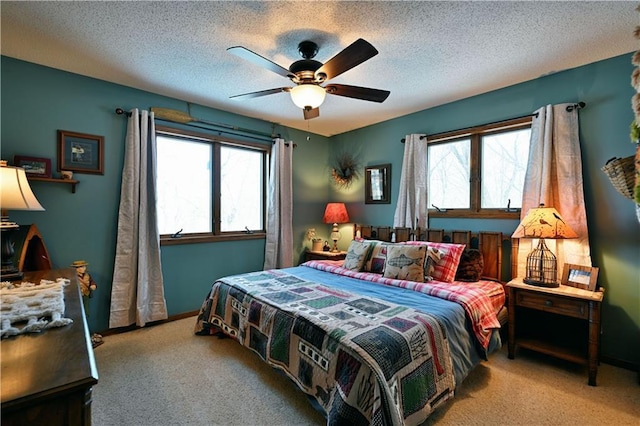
627	365
132	327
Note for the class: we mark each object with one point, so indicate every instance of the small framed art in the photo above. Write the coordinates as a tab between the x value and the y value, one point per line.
584	277
80	152
377	184
34	166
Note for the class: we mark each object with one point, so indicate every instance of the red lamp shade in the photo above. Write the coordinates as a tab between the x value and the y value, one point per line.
335	213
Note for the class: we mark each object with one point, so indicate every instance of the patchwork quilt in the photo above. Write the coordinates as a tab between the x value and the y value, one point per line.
366	361
481	301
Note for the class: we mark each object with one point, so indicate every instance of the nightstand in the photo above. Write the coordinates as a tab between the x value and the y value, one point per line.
563	322
324	255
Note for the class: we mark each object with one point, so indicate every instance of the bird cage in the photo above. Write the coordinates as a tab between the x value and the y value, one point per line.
542	269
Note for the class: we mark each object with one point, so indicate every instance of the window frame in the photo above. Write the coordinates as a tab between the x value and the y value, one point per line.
217	142
475	134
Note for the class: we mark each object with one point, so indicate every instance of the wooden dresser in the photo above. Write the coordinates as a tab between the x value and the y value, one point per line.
47	377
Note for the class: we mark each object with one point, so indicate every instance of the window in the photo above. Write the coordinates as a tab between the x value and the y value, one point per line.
479	172
209	188
242	192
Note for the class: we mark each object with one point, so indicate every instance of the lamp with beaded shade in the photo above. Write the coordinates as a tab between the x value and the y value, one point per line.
335	213
542	223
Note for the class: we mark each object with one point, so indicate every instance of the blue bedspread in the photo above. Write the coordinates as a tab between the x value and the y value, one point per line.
367	353
461	342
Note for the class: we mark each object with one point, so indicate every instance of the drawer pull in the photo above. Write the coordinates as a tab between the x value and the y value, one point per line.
548	303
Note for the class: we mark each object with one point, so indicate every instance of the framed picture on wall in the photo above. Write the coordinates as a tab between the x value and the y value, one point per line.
33	166
377	184
80	152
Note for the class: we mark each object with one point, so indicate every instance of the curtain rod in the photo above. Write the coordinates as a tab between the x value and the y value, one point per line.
569	108
265	137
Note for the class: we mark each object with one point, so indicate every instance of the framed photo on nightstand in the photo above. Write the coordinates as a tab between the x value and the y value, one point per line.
584	277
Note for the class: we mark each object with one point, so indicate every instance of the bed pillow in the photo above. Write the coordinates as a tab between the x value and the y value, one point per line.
430	261
377	257
357	255
405	262
471	266
445	269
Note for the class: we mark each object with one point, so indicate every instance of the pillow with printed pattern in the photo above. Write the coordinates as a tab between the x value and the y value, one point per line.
377	257
430	261
405	262
357	255
445	269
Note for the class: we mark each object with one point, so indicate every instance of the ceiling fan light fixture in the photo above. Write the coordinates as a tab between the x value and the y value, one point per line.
307	96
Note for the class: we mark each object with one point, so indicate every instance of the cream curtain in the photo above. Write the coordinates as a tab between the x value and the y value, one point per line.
137	293
412	209
279	244
554	177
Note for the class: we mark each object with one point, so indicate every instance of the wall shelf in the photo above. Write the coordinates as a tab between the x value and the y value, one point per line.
71	182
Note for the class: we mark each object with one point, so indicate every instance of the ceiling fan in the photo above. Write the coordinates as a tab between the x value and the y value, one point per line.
308	75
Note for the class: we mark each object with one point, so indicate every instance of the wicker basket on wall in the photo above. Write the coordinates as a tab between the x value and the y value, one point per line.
621	173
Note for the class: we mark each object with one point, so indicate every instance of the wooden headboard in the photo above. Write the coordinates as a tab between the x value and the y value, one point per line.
491	244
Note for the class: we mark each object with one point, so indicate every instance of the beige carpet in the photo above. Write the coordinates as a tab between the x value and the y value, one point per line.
165	375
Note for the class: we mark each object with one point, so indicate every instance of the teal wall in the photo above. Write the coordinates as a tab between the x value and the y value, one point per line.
614	231
36	101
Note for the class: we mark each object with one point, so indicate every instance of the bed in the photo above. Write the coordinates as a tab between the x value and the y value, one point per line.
371	347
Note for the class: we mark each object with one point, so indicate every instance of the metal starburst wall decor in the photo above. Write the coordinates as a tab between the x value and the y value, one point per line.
345	170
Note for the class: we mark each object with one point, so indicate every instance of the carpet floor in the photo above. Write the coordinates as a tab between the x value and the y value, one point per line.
166	375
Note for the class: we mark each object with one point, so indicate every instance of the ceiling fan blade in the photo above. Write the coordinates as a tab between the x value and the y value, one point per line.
364	93
254	58
353	55
311	113
260	93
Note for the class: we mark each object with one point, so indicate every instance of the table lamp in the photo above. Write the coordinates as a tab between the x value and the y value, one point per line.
335	213
543	222
15	194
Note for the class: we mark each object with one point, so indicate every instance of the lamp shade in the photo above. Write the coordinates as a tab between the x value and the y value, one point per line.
543	222
307	96
335	213
15	192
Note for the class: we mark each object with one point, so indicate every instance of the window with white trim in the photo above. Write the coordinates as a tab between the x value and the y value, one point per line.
209	188
479	172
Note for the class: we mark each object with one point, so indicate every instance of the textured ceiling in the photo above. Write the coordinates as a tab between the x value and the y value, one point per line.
431	53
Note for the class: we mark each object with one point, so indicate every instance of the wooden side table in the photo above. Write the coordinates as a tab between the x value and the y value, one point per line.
324	255
575	317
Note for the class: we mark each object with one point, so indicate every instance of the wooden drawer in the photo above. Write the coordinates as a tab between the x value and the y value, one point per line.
555	304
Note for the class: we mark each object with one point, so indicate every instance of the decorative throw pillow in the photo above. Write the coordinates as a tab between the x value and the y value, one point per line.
405	262
471	266
357	254
377	258
431	260
445	269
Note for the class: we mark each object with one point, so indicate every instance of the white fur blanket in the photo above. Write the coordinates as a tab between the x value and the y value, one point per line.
30	308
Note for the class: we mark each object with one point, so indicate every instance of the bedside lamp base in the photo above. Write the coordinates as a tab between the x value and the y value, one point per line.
531	281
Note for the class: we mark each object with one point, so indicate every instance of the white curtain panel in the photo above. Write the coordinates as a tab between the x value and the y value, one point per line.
412	209
137	293
554	177
278	252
